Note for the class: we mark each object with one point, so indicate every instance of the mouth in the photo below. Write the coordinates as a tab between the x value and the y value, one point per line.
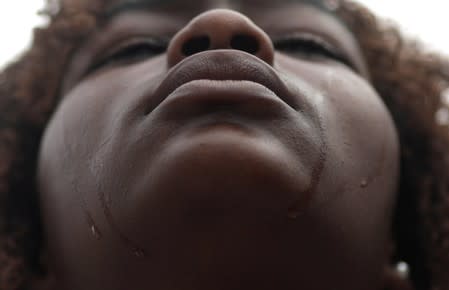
222	78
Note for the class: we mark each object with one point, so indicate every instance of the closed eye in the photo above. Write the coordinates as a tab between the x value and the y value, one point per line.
310	47
129	52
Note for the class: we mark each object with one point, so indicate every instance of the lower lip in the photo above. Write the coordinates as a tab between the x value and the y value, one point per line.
200	97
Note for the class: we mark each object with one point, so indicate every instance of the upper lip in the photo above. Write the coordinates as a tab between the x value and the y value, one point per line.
222	65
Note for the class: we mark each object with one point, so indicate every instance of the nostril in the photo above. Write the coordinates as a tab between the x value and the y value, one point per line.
195	45
245	43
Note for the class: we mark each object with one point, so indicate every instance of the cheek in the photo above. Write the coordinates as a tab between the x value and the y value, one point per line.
91	112
357	187
101	108
361	138
361	132
86	118
363	149
359	182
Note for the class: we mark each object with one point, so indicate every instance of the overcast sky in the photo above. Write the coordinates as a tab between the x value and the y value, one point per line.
428	20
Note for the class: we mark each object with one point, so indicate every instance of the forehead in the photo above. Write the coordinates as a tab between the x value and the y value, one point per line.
321	3
120	5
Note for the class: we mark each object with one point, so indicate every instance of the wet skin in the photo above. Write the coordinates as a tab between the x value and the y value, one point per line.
233	148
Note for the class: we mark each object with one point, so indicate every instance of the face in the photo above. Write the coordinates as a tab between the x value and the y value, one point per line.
218	145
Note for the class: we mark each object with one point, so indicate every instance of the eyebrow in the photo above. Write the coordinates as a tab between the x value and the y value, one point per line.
130	5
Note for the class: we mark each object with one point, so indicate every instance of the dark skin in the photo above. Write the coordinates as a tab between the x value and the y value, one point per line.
251	153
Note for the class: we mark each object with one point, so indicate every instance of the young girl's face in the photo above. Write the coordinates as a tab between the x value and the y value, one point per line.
233	148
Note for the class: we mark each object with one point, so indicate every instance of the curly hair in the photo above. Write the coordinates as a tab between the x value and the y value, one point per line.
410	79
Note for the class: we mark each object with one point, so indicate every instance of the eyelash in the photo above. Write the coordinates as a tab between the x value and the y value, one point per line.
130	52
310	46
138	49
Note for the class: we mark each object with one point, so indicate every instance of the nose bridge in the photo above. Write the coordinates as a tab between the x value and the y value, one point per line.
220	29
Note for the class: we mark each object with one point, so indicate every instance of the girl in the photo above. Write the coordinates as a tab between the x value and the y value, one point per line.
223	145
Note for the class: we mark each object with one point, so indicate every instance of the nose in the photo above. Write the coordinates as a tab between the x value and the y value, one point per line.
220	29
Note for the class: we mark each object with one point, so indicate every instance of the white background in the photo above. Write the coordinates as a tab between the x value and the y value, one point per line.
427	19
